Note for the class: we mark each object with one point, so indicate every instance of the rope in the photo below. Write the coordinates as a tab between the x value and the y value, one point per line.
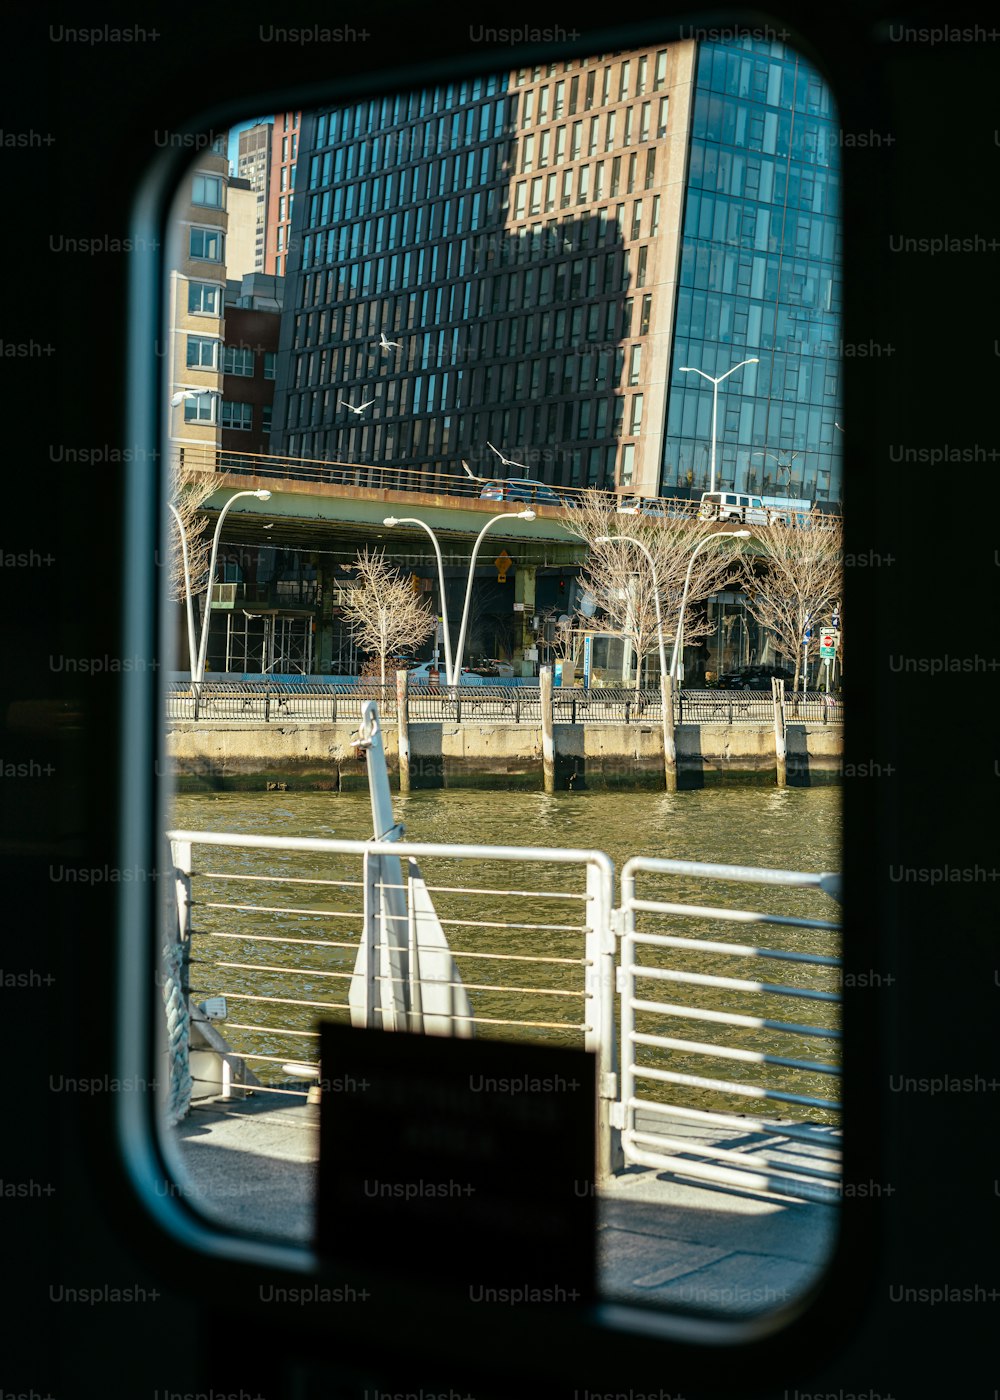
178	1033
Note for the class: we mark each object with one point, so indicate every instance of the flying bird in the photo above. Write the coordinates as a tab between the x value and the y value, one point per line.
388	344
507	461
469	471
360	407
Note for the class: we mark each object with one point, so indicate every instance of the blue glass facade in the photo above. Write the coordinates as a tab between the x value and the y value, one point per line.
759	276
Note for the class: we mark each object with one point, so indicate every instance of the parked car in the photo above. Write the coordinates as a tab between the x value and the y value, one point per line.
523	489
753	678
421	675
732	505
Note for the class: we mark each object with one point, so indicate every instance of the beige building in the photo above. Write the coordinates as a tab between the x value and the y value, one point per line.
241	240
609	139
196	291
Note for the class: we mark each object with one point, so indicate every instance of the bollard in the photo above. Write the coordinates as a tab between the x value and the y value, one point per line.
778	699
403	721
548	733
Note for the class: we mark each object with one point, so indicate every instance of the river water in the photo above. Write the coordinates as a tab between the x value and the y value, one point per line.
241	910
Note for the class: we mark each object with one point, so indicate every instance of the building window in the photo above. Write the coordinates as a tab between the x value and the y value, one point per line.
654	219
238	359
628	462
640	75
640	271
623	80
609	133
201	409
528	109
660	72
559	100
644	120
650	168
636	219
644	315
202	353
207	190
237	415
588	96
661	120
616	175
266	411
206	244
270	363
636	413
204	299
634	364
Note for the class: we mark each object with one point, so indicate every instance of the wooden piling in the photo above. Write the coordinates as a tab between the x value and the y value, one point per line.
403	721
669	744
778	698
548	729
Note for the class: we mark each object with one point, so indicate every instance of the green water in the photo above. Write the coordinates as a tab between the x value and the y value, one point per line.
791	829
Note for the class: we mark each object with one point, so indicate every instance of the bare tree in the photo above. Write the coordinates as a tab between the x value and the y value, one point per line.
190	490
795	579
619	579
382	610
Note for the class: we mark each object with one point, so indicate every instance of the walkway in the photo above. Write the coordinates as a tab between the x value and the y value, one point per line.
661	1239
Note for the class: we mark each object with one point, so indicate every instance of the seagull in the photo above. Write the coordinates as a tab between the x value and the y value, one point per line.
506	460
268	527
388	344
469	471
361	406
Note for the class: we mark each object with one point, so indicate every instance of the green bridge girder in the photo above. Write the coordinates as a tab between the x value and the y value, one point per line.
310	515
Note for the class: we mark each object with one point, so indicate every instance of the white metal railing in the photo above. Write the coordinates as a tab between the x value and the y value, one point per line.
659	1054
269	940
290	929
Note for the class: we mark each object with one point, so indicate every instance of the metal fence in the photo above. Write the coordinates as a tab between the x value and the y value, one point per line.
681	981
275	926
263	702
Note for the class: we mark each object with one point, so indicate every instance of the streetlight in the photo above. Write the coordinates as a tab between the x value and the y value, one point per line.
782	466
392	520
610	539
456	669
192	646
664	712
719	535
686	369
260	496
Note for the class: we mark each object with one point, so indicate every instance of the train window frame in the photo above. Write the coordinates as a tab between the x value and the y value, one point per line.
142	1140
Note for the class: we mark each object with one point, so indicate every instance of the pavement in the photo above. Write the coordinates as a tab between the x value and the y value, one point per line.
665	1239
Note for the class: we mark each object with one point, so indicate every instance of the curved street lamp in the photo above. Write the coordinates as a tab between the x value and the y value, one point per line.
203	649
391	521
718	535
456	669
715	382
192	646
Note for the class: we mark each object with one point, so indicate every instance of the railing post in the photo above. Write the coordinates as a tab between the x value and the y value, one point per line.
600	1018
267	707
403	724
370	940
548	731
458	703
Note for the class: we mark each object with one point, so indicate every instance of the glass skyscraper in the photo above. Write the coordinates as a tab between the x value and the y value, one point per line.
548	247
759	276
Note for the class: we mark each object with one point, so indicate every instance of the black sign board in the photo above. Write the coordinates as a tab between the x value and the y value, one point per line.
468	1163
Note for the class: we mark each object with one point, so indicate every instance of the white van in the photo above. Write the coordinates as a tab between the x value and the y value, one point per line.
732	505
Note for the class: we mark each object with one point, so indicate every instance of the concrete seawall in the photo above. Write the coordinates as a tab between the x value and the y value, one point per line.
322	757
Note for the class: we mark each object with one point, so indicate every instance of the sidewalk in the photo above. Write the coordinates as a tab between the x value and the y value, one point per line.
251	1165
